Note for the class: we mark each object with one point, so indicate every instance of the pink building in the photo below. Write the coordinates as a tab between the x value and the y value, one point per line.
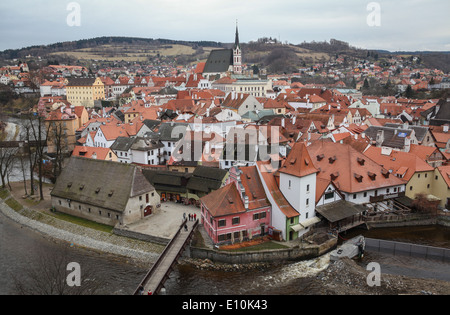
238	211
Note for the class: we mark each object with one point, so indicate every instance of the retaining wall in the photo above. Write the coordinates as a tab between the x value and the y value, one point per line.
278	255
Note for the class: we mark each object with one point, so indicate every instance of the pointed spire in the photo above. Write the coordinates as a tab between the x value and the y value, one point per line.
236	41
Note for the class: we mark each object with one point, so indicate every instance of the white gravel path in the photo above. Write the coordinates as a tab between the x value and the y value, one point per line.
84	237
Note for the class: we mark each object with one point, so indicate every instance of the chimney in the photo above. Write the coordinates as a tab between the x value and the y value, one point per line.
283	123
445	128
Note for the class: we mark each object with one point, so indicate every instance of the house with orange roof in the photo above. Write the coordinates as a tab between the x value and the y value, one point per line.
441	185
241	103
417	174
62	125
53	88
278	106
239	211
359	179
95	153
298	185
106	135
430	154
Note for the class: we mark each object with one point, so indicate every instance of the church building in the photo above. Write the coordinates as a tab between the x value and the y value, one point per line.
223	61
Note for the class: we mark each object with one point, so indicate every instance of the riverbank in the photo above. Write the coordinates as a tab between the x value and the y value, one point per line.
74	234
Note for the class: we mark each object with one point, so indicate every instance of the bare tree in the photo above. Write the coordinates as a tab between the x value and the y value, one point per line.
37	134
7	157
49	276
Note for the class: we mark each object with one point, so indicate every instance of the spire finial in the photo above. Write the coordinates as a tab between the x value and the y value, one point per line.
236	42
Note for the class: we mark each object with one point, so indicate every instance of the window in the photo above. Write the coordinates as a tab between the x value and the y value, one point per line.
410	187
289	184
354	196
307	201
256	216
307	188
222	223
262	215
236	220
329	195
365	194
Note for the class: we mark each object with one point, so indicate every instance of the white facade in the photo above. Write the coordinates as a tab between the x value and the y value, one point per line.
363	197
300	192
330	195
278	218
124	156
146	157
101	141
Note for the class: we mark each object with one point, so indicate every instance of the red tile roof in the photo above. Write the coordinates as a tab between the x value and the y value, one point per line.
268	177
224	201
253	188
402	163
298	162
350	170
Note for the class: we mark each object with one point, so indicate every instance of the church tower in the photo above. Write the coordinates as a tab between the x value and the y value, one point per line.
237	54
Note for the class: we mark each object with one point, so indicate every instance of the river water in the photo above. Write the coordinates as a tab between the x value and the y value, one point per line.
21	249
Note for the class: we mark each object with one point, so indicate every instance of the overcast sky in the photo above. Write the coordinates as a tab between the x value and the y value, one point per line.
400	24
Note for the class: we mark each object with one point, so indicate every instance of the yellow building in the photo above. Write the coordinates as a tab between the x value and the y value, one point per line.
417	174
85	91
441	185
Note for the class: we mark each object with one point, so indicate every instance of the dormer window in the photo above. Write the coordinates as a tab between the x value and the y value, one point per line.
358	177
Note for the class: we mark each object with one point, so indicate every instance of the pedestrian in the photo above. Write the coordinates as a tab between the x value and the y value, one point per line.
185	227
184	216
141	290
190	217
195	216
150	293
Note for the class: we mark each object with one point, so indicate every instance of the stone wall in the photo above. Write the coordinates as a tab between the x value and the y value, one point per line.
279	255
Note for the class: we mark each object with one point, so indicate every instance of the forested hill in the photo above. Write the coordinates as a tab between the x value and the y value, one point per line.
275	56
61	47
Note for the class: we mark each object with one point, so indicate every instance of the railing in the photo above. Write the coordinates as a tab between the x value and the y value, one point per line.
399	248
163	254
386	197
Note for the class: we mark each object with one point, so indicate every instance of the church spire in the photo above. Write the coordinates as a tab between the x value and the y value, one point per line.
236	41
237	54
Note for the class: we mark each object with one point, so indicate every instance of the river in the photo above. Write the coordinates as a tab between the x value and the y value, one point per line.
21	249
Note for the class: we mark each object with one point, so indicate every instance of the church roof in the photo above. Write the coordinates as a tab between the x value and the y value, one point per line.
219	61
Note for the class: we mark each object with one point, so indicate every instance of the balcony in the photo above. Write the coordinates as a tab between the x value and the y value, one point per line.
386	197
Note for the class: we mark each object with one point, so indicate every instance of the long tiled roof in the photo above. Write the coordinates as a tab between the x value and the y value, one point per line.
350	170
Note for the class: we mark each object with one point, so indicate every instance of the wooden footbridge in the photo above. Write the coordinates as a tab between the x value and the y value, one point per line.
160	271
